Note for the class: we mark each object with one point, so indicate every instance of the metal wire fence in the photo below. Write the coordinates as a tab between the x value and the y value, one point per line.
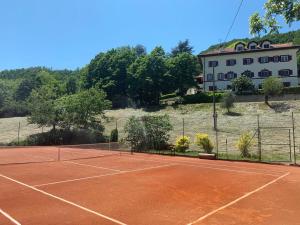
275	136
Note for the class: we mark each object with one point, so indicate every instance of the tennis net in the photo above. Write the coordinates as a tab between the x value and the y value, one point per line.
38	154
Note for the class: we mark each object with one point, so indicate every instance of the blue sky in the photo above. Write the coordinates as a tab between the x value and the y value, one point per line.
69	33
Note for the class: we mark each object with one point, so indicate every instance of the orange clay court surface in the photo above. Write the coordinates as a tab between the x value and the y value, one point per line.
142	189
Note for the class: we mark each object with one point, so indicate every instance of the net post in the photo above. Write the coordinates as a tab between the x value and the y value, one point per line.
258	139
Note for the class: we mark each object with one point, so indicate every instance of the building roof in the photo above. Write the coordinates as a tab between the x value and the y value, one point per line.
228	51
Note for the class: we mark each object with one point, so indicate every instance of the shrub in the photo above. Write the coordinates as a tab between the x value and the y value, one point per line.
228	101
64	136
244	144
148	132
114	135
271	86
202	98
182	143
203	141
243	84
291	90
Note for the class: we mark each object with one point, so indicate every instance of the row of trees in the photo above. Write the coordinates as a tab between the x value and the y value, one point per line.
130	74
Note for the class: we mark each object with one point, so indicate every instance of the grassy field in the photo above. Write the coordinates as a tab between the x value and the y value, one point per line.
198	118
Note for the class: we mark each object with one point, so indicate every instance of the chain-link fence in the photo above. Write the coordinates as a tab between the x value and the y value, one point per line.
275	137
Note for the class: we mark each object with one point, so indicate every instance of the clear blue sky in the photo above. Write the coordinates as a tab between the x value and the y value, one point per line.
69	33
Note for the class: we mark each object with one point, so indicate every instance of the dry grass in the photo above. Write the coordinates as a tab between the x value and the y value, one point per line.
198	118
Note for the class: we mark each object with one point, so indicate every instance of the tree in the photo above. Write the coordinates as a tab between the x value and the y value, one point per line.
182	68
256	24
242	84
288	9
147	78
228	101
182	47
271	86
82	110
71	85
140	50
24	89
109	70
42	108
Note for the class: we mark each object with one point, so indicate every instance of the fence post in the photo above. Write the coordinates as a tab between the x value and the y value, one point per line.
19	132
258	139
290	145
294	141
182	127
226	148
217	143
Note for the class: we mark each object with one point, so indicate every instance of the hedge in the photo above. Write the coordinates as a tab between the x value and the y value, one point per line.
202	98
291	90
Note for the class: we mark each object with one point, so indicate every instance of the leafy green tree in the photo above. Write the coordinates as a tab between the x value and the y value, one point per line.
228	101
288	9
71	85
182	47
109	70
24	89
256	25
182	69
42	108
140	50
242	84
148	132
147	78
82	110
271	86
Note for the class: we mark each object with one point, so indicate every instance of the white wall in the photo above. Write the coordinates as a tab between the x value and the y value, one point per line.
255	67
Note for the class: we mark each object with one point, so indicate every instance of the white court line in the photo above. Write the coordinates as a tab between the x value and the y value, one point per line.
255	170
103	175
63	200
238	199
99	167
9	217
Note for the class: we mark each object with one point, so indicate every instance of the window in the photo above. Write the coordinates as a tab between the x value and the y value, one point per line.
286	84
252	47
260	86
240	48
247	61
276	59
248	73
265	73
213	63
285	72
264	59
231	75
230	62
266	46
211	88
210	77
221	76
285	58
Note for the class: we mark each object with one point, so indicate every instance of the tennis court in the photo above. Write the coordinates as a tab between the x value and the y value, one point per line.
91	184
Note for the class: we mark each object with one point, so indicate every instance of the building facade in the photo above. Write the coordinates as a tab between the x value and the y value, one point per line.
254	60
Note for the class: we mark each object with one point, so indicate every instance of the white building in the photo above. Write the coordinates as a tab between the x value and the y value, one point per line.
255	60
